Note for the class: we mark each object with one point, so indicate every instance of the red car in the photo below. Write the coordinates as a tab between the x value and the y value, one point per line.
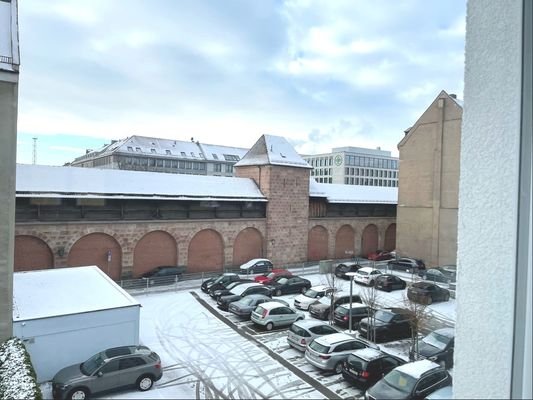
269	277
380	255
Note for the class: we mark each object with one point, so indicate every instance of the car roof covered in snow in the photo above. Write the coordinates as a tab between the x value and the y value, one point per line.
368	354
417	368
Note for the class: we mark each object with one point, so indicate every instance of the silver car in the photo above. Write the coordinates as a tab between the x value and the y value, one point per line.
303	332
329	352
108	370
244	307
274	314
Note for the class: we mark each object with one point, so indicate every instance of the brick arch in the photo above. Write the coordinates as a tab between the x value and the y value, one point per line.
345	242
92	249
32	253
390	238
206	252
369	240
248	245
154	249
317	243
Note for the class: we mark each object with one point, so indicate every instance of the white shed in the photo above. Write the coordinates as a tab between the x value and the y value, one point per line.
65	315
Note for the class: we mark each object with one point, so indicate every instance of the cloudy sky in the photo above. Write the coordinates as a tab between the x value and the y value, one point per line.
321	73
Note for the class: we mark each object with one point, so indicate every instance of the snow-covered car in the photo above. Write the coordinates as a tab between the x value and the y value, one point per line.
303	332
304	300
367	276
321	309
256	265
273	314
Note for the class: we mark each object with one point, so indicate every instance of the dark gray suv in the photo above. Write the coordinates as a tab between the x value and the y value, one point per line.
108	370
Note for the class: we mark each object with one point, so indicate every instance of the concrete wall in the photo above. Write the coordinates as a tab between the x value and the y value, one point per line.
488	201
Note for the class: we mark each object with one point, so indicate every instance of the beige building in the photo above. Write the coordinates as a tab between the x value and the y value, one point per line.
429	183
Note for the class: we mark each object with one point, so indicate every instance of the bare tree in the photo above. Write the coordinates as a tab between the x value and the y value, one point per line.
335	284
370	296
418	317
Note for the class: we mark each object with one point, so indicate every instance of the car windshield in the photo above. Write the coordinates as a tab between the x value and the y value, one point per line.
240	289
326	300
436	340
92	364
341	310
247	301
364	273
384	316
400	381
259	310
232	285
311	293
282	281
320	348
356	363
270	275
218	279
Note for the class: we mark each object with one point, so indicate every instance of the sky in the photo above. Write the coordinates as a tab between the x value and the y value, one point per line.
323	74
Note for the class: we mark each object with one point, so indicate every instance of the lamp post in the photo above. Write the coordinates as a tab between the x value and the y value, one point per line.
351	275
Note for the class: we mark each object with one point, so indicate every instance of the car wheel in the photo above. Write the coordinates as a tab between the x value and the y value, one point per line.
269	326
79	394
278	292
304	289
144	383
338	368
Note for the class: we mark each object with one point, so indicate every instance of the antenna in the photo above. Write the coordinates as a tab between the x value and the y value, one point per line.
34	150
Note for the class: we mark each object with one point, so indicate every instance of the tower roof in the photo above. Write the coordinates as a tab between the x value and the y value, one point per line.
273	150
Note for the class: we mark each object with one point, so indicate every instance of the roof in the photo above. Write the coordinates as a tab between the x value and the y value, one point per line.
368	354
269	305
239	289
56	292
448	332
334	338
337	193
253	261
53	181
273	150
418	368
354	305
367	269
309	323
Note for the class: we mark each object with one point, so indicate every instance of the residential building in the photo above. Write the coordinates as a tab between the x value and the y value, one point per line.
141	153
128	222
9	75
355	166
429	183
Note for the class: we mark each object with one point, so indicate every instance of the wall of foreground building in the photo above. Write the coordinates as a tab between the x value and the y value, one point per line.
493	327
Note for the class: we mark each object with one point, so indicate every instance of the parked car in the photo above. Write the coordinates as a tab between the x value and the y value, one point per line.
367	276
244	307
292	284
365	367
241	291
438	274
108	370
268	277
444	393
438	346
163	275
304	300
219	281
273	314
342	269
226	290
321	309
329	352
255	266
389	282
427	293
407	264
386	324
415	380
303	332
380	255
342	314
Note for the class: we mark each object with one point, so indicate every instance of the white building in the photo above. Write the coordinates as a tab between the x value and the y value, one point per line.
355	166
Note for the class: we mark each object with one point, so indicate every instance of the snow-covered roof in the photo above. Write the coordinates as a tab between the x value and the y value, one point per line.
417	368
64	291
9	49
336	193
53	181
368	353
273	150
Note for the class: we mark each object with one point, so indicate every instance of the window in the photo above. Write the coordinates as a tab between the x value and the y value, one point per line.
214	156
152	150
188	165
111	366
183	154
167	163
218	167
196	165
181	164
152	162
159	163
138	149
130	148
192	154
168	152
231	157
229	168
131	362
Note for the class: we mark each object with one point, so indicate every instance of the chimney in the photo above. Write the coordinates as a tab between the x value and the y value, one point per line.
453	95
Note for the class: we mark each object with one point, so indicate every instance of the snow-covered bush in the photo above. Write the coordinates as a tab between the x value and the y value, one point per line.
17	377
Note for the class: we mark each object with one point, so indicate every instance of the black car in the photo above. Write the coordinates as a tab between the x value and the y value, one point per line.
163	275
389	282
292	284
341	269
342	313
321	309
226	290
427	293
438	274
241	291
386	324
224	278
365	367
413	381
438	346
407	264
223	282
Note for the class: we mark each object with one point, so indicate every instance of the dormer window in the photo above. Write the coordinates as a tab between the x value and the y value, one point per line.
152	150
138	149
130	148
168	152
215	156
183	154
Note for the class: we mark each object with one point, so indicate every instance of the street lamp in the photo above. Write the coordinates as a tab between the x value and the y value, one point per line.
351	275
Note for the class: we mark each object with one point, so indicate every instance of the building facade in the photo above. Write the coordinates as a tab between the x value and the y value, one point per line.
9	66
429	183
69	216
141	153
355	166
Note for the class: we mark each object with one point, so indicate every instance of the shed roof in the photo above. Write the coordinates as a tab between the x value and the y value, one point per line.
336	193
53	181
65	291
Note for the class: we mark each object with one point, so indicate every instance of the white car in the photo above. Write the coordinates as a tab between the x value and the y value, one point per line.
257	265
367	276
273	314
304	300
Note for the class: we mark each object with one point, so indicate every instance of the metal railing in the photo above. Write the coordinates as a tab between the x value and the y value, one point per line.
6	59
